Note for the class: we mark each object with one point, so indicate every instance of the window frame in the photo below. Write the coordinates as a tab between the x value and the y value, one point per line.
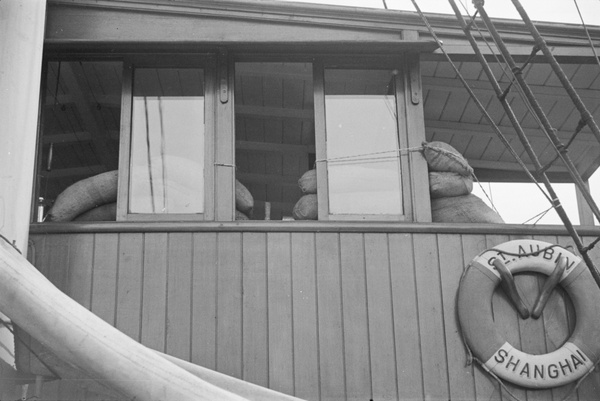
220	116
208	63
402	125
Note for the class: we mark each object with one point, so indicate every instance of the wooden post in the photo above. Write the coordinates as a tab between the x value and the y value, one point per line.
21	40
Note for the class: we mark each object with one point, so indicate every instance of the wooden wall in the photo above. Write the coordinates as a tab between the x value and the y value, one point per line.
324	316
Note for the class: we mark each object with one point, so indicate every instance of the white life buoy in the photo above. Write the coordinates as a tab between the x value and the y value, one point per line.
577	356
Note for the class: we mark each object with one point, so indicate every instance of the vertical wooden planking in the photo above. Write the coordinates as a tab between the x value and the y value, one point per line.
154	291
406	319
56	253
355	317
306	347
381	325
590	387
431	320
280	335
486	388
204	300
104	278
81	264
506	318
545	327
179	276
129	289
452	265
229	304
330	323
255	368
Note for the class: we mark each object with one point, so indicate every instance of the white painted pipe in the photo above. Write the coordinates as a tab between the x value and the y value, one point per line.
82	339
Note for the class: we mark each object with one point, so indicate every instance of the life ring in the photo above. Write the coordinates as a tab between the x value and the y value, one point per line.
577	356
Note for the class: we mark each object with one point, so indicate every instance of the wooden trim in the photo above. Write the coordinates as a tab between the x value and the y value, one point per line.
125	141
40	170
324	15
272	226
210	134
403	142
415	118
224	159
207	64
321	140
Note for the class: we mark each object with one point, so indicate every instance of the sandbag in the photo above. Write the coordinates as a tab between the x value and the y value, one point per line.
306	208
240	216
463	209
106	212
308	182
84	195
442	184
442	157
244	202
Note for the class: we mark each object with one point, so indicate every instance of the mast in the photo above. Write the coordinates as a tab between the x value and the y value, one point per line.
21	43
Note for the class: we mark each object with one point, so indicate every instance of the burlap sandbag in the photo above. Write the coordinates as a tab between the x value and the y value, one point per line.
444	184
240	216
107	212
308	182
244	202
442	157
463	209
84	195
306	208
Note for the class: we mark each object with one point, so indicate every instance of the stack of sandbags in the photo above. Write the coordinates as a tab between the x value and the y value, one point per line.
450	186
94	199
244	202
307	208
80	200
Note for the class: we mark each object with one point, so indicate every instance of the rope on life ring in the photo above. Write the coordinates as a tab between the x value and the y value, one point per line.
573	360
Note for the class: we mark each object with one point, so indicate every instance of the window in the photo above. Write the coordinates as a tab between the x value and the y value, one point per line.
167	141
81	111
146	125
363	165
126	140
275	136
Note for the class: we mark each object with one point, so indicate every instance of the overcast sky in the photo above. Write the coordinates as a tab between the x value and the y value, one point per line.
540	10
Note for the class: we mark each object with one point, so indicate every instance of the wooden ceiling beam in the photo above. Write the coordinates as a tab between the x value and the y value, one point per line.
269	179
274	112
459	128
452	85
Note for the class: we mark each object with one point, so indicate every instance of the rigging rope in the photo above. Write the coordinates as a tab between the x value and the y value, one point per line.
480	106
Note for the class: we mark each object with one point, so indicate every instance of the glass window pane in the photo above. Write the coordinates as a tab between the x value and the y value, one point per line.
362	141
80	136
167	147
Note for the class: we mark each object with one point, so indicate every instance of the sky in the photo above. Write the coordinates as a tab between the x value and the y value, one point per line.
502	195
538	10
